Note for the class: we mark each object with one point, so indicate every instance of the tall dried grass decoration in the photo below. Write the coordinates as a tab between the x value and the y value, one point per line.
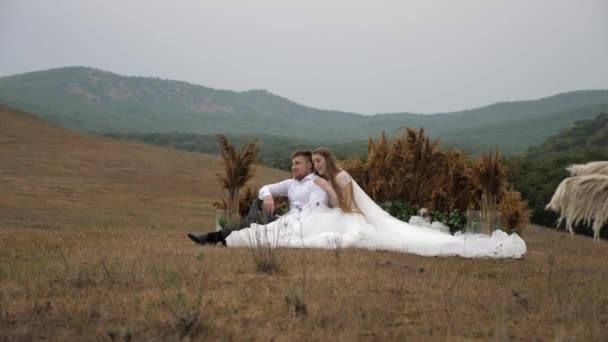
415	160
422	174
452	184
413	168
238	170
582	199
515	212
490	176
378	183
356	169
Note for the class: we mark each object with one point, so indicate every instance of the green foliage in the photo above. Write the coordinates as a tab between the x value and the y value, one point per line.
226	221
399	209
274	150
455	219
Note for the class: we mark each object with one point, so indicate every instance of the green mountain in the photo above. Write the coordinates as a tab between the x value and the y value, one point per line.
582	137
93	100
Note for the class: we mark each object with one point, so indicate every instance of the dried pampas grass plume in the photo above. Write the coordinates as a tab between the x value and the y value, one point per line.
238	170
582	199
593	168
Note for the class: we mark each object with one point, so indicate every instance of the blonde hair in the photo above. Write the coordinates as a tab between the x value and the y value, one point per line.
331	171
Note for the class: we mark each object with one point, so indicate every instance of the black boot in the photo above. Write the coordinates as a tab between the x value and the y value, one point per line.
208	239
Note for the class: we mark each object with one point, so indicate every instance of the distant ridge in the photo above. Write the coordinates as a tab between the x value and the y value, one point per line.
586	136
93	100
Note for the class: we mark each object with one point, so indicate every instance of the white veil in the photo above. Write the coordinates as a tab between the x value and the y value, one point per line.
393	234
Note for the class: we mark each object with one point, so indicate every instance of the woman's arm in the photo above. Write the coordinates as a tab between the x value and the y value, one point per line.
331	193
345	183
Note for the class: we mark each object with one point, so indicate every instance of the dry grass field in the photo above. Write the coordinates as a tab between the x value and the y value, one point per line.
52	177
93	247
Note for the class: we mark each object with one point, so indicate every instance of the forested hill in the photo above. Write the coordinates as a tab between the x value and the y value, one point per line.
274	150
89	99
582	137
544	167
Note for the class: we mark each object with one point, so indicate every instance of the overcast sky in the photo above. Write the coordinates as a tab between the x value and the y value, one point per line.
361	56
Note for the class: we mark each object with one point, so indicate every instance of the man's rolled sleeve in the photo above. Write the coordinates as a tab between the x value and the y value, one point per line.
276	189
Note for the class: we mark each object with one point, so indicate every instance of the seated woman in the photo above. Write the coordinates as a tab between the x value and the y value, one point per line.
355	220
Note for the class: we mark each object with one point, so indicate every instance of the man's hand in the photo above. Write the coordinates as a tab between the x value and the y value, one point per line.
268	204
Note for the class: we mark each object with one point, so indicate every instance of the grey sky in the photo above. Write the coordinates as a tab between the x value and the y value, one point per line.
362	56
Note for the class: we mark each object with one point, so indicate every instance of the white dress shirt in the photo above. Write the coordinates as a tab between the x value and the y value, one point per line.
300	193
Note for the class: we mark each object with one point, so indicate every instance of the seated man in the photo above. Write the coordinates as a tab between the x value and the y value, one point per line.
300	190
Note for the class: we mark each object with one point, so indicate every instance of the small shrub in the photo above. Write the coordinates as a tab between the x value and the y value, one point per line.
186	313
295	299
455	219
185	308
399	209
263	247
229	221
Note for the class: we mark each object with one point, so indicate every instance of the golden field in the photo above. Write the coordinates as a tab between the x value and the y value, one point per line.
53	177
93	247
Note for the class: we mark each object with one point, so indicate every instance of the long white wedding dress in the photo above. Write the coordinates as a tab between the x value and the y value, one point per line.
318	226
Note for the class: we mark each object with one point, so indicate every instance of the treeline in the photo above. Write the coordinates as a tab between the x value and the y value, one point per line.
274	150
537	179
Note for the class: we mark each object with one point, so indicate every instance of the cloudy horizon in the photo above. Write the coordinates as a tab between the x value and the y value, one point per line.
355	56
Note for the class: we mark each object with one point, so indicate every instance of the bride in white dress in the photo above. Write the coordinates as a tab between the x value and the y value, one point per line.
353	219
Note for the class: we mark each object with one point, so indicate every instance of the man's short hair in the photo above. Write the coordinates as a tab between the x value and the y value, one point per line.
302	153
